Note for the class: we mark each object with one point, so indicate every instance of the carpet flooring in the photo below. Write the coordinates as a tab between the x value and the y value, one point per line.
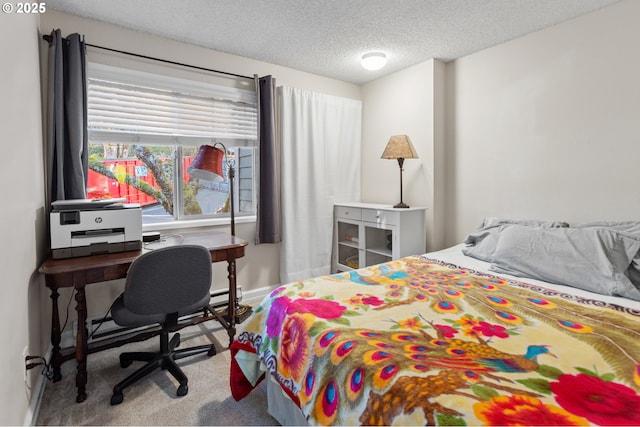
153	400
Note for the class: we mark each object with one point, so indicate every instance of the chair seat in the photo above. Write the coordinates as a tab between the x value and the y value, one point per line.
125	317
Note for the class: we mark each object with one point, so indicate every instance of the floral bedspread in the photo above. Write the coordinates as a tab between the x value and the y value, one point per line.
423	342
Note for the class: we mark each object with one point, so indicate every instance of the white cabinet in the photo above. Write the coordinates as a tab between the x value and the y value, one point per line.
366	234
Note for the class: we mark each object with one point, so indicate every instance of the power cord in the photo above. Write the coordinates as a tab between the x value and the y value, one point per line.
35	361
47	372
104	318
46	366
66	319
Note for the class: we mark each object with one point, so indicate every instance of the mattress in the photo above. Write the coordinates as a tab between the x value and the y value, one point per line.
441	339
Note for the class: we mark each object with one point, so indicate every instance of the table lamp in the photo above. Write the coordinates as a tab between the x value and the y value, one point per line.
207	165
399	147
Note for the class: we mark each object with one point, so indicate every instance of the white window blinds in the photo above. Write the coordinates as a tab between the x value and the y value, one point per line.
134	107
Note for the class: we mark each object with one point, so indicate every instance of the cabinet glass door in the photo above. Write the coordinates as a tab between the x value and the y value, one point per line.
378	244
348	245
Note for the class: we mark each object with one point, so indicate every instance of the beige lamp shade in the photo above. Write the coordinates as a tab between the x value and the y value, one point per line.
399	147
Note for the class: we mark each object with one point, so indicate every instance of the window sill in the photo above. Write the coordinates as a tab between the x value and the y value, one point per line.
209	222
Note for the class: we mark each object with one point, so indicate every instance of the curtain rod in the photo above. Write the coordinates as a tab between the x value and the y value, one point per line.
48	38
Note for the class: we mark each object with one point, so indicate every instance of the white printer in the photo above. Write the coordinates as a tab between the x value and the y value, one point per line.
94	226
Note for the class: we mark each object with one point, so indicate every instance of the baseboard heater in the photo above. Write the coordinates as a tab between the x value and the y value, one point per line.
101	328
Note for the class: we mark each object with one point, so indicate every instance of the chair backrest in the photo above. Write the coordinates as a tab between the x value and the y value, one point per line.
167	280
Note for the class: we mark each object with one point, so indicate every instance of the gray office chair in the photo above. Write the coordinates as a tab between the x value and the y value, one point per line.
160	287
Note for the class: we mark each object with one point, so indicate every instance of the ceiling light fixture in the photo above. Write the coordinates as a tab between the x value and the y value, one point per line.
374	60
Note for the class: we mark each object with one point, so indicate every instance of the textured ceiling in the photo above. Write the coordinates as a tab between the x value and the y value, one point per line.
328	37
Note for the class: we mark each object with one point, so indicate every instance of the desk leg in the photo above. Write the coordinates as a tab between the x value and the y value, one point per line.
81	341
232	300
56	356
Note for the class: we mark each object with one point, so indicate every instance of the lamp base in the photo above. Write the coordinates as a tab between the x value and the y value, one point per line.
401	205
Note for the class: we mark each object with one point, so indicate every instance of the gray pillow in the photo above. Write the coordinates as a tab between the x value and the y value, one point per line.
626	227
629	228
594	259
482	243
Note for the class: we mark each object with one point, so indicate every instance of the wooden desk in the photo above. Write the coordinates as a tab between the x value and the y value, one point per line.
82	271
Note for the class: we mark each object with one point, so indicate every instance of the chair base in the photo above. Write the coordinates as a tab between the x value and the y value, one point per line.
164	359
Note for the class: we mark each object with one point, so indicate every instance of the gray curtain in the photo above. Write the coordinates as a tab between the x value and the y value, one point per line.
66	142
269	216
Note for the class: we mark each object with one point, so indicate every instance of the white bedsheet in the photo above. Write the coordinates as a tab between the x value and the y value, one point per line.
454	255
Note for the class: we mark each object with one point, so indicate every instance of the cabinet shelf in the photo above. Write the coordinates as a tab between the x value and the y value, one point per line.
381	251
348	243
343	267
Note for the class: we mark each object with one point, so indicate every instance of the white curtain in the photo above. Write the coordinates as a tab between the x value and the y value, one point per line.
321	138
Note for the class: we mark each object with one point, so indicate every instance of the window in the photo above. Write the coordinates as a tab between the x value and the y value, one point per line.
144	131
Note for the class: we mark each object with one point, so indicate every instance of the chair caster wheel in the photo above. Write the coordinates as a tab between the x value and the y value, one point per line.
182	390
212	351
125	362
117	398
175	341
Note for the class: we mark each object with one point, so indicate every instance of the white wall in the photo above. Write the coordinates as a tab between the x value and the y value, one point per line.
115	37
547	126
404	103
260	266
24	300
22	215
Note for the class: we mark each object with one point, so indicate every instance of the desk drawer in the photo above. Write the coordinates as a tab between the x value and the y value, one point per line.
381	217
346	212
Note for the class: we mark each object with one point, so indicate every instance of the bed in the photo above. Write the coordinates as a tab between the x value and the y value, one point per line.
526	322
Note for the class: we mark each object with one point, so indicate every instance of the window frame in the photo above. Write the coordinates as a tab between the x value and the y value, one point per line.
156	80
